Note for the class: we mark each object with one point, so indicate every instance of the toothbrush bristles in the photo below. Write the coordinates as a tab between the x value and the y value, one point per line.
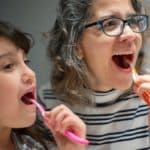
134	73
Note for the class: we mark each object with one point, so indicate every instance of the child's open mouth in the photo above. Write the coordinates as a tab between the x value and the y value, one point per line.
123	61
26	99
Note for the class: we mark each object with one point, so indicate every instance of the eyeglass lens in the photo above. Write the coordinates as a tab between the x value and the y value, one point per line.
115	26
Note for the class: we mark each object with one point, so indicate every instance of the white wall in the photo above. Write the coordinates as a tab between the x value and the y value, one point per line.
35	17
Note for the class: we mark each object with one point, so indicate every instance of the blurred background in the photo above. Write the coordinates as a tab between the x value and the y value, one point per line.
37	17
146	62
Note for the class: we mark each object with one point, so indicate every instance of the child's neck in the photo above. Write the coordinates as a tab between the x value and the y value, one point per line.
5	139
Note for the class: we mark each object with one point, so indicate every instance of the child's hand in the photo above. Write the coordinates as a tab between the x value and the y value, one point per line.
142	87
61	119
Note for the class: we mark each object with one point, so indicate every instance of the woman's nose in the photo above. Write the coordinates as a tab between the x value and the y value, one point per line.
128	34
28	76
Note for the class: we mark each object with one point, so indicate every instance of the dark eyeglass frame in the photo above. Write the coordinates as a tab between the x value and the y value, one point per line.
127	21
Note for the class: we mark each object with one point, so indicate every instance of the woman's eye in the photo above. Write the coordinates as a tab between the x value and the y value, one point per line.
111	24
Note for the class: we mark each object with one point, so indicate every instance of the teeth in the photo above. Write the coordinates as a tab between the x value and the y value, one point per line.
123	53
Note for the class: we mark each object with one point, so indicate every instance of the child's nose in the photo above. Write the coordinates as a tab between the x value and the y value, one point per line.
28	76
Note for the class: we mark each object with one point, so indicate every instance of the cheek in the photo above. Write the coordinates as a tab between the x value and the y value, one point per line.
96	48
98	62
8	92
9	103
97	53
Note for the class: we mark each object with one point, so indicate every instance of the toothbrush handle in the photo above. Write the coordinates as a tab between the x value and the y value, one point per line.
76	139
68	134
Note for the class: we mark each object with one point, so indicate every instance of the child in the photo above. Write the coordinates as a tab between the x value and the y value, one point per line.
17	88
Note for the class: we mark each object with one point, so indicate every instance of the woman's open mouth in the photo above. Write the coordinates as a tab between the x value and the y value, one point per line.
123	61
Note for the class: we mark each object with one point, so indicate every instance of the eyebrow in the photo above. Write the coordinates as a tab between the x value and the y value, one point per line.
8	54
114	15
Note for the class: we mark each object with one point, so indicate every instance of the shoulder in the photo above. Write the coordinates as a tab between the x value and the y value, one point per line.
24	142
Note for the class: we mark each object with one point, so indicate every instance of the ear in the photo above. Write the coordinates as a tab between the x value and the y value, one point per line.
79	52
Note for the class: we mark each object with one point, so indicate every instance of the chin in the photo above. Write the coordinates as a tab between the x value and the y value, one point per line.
22	124
124	86
26	124
28	121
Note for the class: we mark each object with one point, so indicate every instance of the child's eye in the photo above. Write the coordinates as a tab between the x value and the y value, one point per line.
27	62
9	67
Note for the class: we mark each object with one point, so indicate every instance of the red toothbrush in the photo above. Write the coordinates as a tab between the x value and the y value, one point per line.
145	93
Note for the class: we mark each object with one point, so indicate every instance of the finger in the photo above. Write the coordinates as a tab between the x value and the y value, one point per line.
146	97
54	112
144	78
141	79
60	117
138	88
145	86
74	124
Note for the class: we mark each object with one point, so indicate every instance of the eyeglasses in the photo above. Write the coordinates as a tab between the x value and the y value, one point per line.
114	26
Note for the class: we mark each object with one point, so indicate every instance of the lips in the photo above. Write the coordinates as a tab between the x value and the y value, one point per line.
26	98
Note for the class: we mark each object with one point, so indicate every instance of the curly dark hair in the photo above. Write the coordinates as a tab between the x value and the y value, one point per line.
19	38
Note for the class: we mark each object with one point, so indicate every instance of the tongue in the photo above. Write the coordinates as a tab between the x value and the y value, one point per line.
122	61
27	99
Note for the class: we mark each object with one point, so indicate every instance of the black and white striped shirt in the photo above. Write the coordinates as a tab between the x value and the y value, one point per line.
116	122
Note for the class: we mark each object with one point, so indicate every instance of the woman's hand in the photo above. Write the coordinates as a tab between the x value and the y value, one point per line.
60	119
142	87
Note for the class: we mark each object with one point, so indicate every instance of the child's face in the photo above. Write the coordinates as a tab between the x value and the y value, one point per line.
100	51
16	80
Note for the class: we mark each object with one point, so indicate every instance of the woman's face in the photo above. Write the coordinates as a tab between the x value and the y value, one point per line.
17	87
104	54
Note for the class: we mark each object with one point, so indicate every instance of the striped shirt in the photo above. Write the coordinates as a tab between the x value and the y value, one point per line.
116	122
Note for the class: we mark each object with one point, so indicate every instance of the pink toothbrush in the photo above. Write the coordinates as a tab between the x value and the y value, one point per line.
67	133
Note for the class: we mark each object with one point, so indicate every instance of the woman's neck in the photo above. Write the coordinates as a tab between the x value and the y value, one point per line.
5	139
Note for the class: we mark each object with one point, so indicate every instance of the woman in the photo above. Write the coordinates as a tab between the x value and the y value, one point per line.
17	89
93	46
